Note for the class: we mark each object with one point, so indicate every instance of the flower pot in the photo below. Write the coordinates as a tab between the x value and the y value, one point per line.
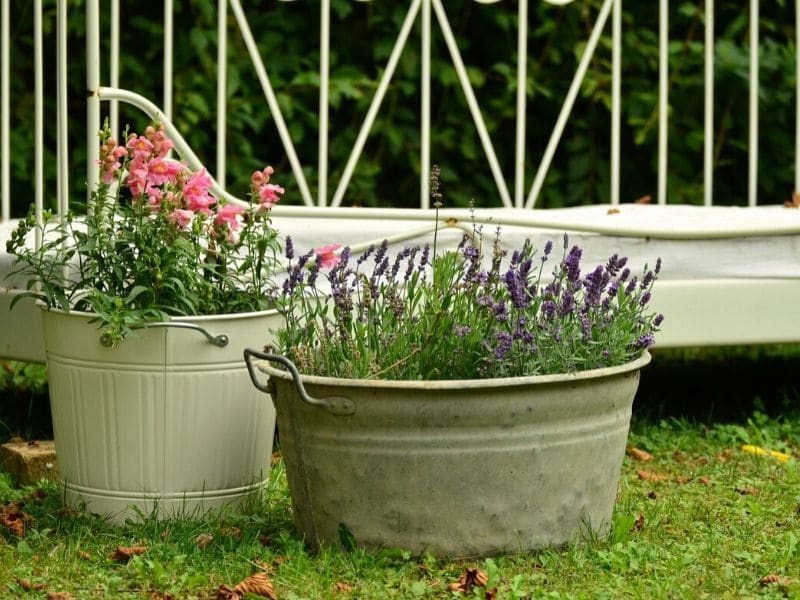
456	468
165	420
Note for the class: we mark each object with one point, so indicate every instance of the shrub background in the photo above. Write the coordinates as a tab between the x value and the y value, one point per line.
362	36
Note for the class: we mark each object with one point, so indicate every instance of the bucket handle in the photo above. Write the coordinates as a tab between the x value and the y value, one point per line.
337	405
220	340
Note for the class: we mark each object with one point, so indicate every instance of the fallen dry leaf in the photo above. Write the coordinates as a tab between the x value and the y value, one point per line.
638	454
650	476
704	480
59	596
652	495
747	490
774	579
637	526
203	540
470	579
84	555
258	584
124	553
491	594
341	586
13	518
613	211
725	455
231	532
161	596
29	586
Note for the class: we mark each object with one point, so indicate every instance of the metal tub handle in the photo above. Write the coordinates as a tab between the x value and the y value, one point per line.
336	405
220	340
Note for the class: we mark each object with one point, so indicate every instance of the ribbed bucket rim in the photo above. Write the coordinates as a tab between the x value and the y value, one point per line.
447	384
183	318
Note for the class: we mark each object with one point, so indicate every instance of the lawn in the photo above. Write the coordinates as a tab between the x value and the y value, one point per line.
696	517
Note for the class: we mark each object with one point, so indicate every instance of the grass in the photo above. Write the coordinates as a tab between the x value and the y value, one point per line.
702	518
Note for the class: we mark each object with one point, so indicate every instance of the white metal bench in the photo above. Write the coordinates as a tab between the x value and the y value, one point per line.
731	275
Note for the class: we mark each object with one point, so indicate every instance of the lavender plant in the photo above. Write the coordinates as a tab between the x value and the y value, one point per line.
415	316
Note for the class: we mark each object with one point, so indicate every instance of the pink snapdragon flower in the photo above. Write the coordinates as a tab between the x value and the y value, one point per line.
227	215
139	147
161	170
154	195
195	192
110	156
181	217
268	195
161	143
326	255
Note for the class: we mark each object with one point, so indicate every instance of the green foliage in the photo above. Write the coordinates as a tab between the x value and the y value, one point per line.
387	174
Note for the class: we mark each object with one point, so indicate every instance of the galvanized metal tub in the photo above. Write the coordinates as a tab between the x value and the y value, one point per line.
165	421
456	468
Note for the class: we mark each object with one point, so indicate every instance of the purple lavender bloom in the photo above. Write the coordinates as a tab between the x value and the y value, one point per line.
289	251
658	320
624	275
613	289
501	311
516	289
615	263
410	268
367	253
425	259
314	272
572	264
586	329
522	332
658	265
648	279
381	268
381	253
471	253
548	248
567	304
644	342
644	299
549	309
566	241
594	284
462	330
344	257
631	286
503	345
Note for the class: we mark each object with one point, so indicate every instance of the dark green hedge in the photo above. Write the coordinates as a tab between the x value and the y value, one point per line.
387	174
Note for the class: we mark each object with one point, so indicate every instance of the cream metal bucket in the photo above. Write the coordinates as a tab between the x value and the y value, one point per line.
165	421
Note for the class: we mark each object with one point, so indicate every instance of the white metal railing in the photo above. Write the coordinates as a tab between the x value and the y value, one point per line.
429	13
